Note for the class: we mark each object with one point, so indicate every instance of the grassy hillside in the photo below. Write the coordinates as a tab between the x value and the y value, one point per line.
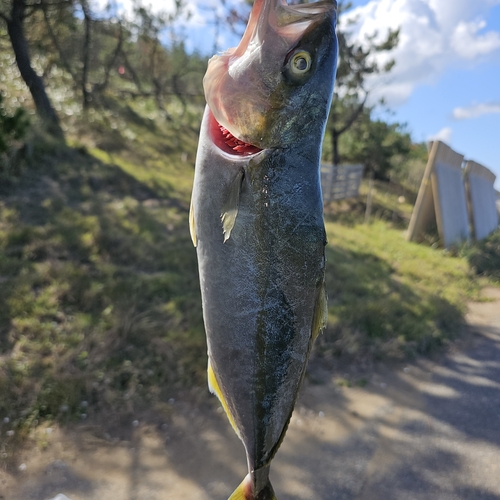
389	297
99	299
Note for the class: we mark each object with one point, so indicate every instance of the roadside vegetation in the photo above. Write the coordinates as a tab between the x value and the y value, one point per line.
484	257
100	311
390	298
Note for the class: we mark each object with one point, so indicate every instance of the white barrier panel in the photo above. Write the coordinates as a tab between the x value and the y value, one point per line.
441	198
481	197
452	217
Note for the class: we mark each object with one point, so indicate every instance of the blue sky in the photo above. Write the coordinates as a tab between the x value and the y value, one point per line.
446	81
455	95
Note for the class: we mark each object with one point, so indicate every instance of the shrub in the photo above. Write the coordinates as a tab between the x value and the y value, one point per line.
484	256
13	127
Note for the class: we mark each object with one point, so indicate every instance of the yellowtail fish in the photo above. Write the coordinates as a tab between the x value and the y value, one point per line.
257	220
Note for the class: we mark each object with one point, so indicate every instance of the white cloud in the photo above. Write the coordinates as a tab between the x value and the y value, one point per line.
443	135
435	35
469	44
476	110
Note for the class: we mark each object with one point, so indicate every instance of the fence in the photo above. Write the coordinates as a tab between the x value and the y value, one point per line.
340	182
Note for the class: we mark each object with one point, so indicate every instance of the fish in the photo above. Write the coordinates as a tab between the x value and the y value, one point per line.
256	220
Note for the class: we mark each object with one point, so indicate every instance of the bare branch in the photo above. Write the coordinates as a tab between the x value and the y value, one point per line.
353	117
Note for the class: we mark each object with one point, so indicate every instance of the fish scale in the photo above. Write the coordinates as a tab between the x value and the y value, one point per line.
257	220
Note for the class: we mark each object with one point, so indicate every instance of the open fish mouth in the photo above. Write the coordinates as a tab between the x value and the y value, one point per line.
244	85
291	21
227	142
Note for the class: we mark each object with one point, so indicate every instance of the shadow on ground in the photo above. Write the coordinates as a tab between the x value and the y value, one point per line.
424	430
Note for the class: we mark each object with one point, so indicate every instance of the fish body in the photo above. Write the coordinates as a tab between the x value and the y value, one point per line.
257	220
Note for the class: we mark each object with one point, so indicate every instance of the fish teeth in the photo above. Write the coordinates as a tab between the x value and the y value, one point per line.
235	144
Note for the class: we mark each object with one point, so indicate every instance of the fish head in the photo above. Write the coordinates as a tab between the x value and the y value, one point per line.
275	87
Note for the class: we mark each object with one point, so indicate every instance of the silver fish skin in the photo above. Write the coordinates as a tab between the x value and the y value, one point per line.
257	220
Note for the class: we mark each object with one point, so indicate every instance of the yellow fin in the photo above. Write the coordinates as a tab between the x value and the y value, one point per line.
230	208
192	227
320	317
214	388
245	491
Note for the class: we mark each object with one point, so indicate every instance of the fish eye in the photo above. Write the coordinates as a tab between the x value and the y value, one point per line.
300	62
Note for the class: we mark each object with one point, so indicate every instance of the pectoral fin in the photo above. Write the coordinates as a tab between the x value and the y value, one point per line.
192	227
230	208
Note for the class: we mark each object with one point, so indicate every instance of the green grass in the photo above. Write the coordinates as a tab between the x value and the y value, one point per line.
99	298
388	296
484	256
390	202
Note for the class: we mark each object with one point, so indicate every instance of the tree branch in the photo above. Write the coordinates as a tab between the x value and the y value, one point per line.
55	42
353	116
100	87
132	72
86	54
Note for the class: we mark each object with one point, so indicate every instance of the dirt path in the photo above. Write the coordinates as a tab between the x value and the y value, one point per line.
428	430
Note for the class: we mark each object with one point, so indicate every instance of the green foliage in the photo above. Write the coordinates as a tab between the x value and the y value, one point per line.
484	256
13	128
408	169
120	56
378	145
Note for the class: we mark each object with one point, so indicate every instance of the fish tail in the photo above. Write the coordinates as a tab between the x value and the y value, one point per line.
245	491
